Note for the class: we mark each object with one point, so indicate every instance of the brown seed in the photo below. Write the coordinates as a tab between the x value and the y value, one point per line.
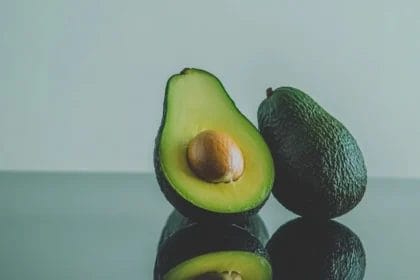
215	157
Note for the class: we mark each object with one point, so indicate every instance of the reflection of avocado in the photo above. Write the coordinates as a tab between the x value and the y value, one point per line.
204	251
320	170
176	221
210	161
304	249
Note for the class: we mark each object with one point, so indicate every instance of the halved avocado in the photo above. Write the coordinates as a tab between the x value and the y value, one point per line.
307	249
210	161
212	252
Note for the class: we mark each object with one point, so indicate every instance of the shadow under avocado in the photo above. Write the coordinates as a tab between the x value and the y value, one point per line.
306	249
200	251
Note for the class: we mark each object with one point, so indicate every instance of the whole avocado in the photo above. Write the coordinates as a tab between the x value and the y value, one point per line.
320	170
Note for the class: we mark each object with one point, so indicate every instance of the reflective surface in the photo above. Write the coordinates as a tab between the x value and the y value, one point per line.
306	249
107	226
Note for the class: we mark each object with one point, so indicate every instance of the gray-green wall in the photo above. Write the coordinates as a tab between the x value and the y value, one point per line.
81	82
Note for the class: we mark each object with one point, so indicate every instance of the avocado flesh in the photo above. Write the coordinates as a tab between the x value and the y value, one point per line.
320	170
248	265
196	101
305	249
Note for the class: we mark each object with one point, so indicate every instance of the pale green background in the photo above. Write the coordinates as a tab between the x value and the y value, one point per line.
81	82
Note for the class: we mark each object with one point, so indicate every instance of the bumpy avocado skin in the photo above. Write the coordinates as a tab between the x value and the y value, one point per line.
320	170
185	207
326	250
192	240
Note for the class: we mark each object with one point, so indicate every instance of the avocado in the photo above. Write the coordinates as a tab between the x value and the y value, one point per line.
210	161
305	249
320	170
209	251
176	221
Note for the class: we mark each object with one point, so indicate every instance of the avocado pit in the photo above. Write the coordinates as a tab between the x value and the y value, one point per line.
215	157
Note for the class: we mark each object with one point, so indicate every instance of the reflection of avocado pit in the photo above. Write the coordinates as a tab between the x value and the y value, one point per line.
225	275
215	157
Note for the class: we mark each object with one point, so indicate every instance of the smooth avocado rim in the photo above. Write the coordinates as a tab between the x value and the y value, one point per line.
195	101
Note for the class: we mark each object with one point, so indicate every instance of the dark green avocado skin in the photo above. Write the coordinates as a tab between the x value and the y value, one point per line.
185	207
320	170
197	239
176	221
306	249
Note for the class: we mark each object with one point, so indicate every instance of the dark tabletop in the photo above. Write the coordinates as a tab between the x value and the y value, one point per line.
106	226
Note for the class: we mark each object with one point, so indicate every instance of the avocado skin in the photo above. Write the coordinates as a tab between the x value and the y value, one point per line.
305	249
185	207
200	239
176	221
320	170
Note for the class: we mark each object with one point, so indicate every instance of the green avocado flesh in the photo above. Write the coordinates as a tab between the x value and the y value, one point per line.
248	265
196	101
